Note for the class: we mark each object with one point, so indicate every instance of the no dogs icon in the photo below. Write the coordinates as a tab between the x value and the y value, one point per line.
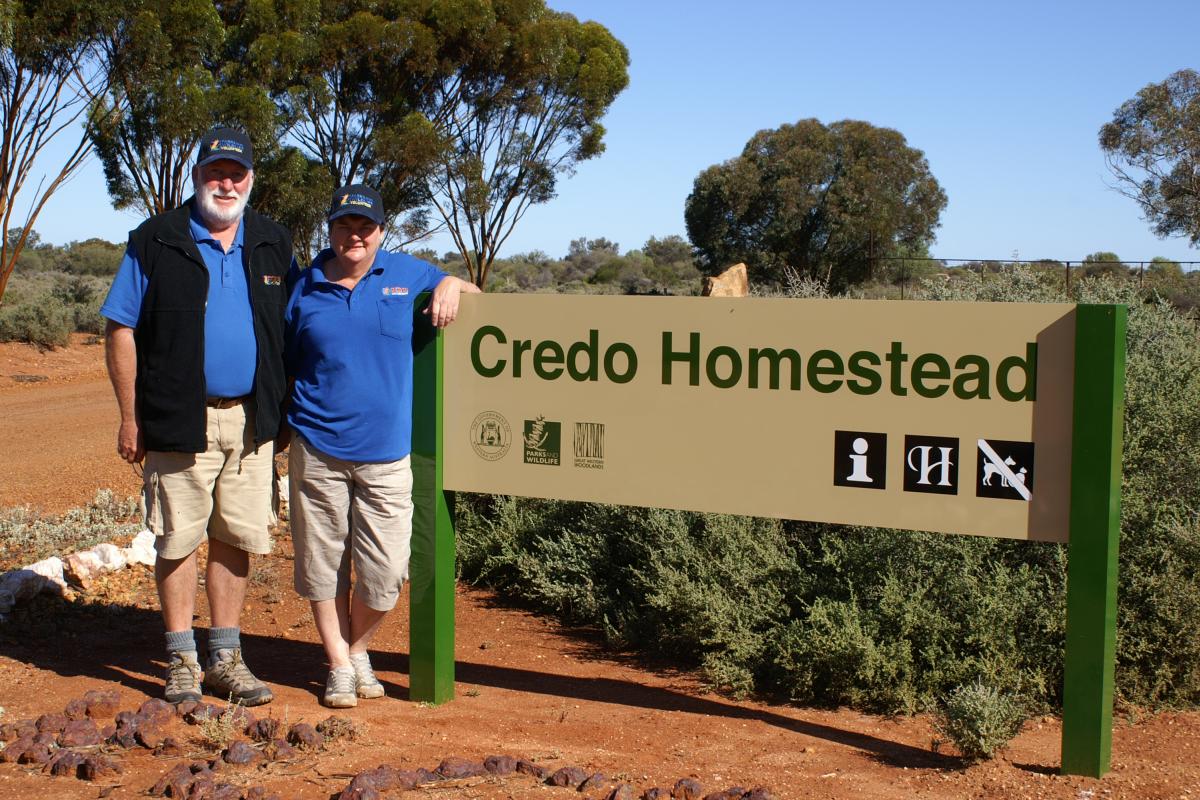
1005	470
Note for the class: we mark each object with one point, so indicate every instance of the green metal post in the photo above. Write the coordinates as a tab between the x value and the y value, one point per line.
431	583
1095	526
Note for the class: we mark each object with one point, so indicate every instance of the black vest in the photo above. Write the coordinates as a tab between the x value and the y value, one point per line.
171	393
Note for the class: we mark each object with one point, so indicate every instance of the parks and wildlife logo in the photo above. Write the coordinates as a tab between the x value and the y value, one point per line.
490	436
543	441
589	445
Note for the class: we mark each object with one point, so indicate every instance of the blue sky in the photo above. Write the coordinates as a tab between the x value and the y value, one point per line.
1005	99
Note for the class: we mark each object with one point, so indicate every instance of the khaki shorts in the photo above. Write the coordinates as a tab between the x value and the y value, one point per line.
349	513
226	491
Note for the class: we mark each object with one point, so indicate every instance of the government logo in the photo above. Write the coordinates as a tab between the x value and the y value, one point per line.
490	436
543	441
589	445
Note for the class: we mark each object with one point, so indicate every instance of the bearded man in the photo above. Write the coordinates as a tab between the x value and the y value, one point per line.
194	347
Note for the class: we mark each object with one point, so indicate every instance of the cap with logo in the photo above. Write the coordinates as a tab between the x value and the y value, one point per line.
228	143
357	198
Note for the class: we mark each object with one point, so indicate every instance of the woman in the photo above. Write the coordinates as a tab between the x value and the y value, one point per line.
348	325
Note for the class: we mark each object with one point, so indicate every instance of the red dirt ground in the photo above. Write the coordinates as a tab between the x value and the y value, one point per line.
527	687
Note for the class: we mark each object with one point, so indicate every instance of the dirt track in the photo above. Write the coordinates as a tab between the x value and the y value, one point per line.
526	687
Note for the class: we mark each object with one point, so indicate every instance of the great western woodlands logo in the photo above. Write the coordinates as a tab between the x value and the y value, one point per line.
1005	470
860	459
543	441
490	436
589	445
931	464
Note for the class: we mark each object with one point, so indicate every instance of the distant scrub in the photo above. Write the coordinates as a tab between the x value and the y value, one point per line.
45	308
879	619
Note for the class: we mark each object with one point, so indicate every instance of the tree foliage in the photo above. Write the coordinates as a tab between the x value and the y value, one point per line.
170	82
48	74
518	119
1152	146
824	200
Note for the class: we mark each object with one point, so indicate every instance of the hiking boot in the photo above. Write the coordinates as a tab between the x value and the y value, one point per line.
183	677
228	678
339	688
366	685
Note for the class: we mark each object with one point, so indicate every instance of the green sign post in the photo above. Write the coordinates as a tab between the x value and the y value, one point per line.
1095	528
1093	400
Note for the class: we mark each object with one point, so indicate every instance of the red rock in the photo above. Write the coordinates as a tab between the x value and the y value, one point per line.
569	776
80	733
264	730
202	787
622	791
594	782
425	776
655	793
76	709
686	789
305	736
48	738
455	767
16	749
159	711
97	766
185	708
51	723
758	793
174	783
200	713
279	750
500	765
101	704
65	764
169	747
255	793
530	768
226	791
361	787
240	753
149	736
36	753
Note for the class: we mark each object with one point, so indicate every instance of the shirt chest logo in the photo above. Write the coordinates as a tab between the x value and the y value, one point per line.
272	280
392	291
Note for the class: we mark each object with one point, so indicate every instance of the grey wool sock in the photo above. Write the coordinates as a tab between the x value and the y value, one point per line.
181	641
223	639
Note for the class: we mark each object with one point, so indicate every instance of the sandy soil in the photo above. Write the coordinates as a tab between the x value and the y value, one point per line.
527	687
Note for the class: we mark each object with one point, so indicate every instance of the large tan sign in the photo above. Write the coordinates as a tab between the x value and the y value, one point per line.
950	417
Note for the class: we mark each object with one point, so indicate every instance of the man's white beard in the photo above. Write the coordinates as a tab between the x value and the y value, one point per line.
211	212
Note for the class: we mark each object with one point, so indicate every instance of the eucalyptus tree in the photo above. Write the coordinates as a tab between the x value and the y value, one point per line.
463	113
1152	145
49	72
824	200
170	83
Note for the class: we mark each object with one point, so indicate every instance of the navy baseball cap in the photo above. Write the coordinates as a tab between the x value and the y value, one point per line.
357	198
230	143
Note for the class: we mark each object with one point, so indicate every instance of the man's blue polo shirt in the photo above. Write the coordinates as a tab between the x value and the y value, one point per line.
350	352
230	351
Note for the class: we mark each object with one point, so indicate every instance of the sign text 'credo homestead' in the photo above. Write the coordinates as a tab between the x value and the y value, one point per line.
686	359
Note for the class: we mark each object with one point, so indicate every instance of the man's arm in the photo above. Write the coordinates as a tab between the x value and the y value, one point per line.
120	354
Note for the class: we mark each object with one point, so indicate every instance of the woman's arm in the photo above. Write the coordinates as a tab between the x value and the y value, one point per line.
443	307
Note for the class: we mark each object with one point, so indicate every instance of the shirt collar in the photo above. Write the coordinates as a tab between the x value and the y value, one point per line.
326	255
202	234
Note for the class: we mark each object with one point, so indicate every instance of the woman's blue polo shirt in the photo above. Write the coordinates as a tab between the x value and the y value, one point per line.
350	353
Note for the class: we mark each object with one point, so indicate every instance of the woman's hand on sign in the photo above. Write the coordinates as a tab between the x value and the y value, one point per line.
443	307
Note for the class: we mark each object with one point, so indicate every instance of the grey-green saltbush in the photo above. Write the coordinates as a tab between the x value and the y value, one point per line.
979	719
880	619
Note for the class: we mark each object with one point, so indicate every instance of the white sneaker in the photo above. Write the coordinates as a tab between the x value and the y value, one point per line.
366	684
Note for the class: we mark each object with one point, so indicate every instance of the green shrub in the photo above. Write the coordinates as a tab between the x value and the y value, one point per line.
47	323
979	719
26	536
